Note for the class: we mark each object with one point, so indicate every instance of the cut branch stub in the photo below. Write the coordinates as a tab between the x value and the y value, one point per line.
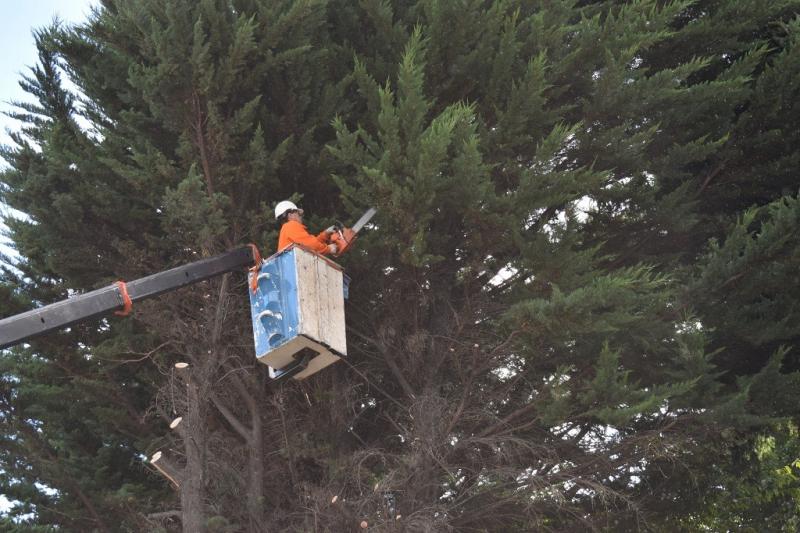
161	464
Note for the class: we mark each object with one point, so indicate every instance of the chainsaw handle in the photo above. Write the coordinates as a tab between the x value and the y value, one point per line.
343	239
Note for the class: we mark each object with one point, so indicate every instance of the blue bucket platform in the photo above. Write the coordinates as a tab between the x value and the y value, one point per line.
298	312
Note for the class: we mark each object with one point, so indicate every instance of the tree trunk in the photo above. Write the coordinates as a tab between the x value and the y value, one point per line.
255	492
193	474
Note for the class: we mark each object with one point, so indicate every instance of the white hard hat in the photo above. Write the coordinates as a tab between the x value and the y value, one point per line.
284	206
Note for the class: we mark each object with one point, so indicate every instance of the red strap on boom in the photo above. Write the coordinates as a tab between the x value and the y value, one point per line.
255	268
126	299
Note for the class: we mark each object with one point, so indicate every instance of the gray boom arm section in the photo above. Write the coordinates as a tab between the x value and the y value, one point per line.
21	327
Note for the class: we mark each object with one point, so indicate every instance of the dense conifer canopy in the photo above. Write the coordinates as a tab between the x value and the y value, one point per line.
576	309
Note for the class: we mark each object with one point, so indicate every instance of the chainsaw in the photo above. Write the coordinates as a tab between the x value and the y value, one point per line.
344	237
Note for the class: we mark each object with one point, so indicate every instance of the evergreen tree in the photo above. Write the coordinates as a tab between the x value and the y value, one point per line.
575	309
71	406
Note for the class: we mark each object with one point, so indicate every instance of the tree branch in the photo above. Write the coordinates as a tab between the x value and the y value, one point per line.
163	515
237	425
166	468
200	139
713	175
504	422
404	384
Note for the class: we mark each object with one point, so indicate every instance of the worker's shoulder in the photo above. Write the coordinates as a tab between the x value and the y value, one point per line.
293	226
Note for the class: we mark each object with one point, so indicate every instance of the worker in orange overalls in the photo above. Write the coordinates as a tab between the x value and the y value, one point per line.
290	217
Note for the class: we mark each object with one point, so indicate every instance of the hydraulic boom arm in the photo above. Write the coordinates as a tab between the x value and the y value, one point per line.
119	296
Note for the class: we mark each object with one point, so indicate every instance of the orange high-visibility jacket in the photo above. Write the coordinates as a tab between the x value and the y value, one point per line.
293	232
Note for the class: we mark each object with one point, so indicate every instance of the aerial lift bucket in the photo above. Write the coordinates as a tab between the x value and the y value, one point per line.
297	311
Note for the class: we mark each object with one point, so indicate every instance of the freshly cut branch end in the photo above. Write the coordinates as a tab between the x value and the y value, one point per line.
164	468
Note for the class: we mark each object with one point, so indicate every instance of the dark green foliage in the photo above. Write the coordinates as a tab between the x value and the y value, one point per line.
576	308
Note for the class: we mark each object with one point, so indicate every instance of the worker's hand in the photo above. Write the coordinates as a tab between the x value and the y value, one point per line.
331	230
332	249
